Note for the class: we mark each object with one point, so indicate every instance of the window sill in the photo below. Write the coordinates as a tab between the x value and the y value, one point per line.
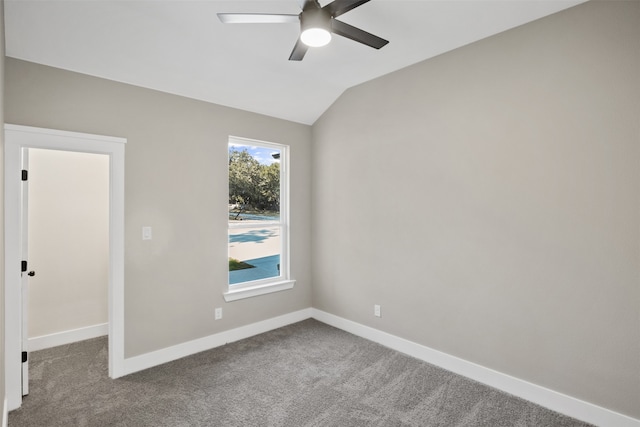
254	291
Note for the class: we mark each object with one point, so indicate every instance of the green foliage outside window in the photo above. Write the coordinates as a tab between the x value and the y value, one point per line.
253	186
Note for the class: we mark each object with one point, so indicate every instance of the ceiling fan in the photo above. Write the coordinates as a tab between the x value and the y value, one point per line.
316	24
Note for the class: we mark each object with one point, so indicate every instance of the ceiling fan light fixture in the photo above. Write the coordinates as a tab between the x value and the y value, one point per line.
315	26
315	37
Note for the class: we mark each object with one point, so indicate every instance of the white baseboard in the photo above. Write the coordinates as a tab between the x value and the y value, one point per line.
148	360
5	413
542	396
68	337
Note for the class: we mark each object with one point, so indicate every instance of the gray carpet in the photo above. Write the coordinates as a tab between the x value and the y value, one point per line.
306	374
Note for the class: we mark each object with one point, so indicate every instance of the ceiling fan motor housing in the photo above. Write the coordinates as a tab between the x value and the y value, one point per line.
318	18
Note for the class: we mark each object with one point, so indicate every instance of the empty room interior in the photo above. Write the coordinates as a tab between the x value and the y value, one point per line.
459	183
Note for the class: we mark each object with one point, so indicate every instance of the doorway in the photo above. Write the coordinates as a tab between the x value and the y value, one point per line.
68	247
18	140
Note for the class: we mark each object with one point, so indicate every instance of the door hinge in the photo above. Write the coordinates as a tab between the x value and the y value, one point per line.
23	266
24	356
25	174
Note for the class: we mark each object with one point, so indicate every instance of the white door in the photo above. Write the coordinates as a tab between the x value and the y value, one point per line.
26	271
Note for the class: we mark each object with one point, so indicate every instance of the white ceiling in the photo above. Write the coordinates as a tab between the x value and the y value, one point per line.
180	46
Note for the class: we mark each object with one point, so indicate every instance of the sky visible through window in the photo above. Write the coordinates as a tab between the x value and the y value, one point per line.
261	154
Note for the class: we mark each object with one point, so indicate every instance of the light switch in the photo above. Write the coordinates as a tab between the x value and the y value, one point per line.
146	233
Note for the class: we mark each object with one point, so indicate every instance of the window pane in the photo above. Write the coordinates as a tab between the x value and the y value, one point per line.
254	253
256	234
254	183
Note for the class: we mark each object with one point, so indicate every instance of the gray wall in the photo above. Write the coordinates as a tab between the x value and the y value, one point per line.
489	200
176	181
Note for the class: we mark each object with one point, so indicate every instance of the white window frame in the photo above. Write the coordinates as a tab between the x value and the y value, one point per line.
283	281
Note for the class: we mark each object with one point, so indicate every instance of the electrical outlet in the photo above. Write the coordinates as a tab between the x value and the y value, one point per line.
218	313
376	311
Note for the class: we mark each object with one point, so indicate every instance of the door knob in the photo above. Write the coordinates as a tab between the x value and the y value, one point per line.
31	273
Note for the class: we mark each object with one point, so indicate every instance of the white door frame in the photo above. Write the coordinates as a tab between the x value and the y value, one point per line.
17	138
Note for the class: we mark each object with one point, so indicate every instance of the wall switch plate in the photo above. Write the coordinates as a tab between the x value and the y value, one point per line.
218	313
146	233
376	311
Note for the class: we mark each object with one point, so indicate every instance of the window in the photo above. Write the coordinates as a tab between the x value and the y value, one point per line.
258	218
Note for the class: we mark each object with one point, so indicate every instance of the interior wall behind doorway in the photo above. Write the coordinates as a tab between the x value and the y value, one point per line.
68	241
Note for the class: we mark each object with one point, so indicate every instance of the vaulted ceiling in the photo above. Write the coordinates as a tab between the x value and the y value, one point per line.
180	46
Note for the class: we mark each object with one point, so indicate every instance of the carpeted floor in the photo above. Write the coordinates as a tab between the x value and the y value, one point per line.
306	374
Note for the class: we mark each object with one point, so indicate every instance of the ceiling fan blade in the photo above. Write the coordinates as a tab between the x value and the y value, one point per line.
258	18
356	34
298	51
338	7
